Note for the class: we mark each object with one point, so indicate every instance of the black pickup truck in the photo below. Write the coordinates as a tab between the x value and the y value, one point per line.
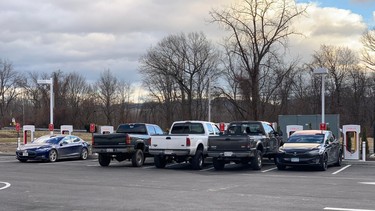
244	142
131	141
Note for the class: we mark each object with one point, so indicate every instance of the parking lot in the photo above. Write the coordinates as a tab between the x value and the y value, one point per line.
84	185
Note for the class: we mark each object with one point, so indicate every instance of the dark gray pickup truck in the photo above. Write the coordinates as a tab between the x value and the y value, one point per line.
244	142
131	141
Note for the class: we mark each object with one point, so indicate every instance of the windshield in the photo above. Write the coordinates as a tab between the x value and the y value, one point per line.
245	128
47	139
317	138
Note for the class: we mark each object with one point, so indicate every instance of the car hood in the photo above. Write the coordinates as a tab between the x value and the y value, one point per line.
300	146
34	146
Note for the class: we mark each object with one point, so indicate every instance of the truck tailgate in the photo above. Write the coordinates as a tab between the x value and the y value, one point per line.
228	143
168	142
108	140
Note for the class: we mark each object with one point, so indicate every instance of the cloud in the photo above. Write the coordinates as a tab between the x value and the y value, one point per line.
89	37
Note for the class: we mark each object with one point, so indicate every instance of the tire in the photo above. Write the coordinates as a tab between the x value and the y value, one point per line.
281	167
160	161
339	159
323	163
84	154
52	155
138	158
198	160
218	164
104	160
22	160
256	161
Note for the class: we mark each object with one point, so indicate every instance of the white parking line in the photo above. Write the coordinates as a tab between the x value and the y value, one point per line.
209	169
271	169
345	209
7	185
342	169
367	183
148	167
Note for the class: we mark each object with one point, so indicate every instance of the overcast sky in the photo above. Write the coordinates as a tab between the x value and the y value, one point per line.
90	36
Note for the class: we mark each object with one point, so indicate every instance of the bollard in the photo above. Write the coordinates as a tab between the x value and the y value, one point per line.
364	151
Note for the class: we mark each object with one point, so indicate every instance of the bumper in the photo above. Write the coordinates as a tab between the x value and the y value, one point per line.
313	160
232	155
31	155
180	152
112	150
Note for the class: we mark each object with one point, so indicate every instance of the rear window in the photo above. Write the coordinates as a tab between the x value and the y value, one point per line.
132	129
187	128
245	128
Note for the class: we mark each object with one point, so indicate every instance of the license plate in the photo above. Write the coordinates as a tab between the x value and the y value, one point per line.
168	152
25	153
109	150
296	160
228	154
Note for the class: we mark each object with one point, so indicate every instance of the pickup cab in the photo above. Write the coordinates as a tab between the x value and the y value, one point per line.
131	141
244	142
186	141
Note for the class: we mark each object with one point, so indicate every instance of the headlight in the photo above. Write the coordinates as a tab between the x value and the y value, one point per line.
319	150
43	148
281	149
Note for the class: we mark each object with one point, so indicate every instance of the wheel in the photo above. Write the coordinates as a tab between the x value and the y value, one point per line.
281	167
160	161
84	154
104	160
218	164
324	163
52	156
197	160
256	161
339	159
138	158
22	160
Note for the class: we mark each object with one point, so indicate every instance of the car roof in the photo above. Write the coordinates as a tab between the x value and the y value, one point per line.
311	132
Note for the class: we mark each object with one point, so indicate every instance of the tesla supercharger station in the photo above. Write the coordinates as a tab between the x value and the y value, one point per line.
66	129
105	129
351	141
290	129
26	128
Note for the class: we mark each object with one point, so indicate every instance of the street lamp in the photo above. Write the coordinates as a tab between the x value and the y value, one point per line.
50	82
322	71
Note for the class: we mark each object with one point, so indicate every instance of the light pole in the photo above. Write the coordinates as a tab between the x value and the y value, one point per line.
322	71
50	82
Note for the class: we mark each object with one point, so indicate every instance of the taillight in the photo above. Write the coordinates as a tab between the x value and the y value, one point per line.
188	142
127	139
149	141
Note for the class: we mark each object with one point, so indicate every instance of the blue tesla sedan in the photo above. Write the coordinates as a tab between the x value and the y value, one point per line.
51	148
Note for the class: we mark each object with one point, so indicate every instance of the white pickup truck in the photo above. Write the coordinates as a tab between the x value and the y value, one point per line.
186	141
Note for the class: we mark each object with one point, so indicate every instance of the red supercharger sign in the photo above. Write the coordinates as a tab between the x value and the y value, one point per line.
323	126
50	127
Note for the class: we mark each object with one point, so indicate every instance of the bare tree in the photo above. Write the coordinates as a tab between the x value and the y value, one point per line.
107	86
257	29
339	61
10	81
368	40
190	61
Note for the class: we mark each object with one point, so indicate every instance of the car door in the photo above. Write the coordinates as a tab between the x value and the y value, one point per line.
64	147
271	141
335	148
75	146
328	147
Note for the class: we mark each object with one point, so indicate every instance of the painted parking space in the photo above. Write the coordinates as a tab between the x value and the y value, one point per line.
4	185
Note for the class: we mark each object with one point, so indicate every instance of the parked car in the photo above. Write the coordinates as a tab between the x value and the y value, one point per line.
53	147
310	147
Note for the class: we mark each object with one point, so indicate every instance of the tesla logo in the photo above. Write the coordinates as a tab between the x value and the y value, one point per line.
295	153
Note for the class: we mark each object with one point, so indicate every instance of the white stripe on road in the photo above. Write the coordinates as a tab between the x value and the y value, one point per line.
271	169
345	209
342	169
367	183
209	169
7	185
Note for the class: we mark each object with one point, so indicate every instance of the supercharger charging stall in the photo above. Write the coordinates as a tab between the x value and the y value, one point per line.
290	129
66	129
105	129
351	141
27	128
